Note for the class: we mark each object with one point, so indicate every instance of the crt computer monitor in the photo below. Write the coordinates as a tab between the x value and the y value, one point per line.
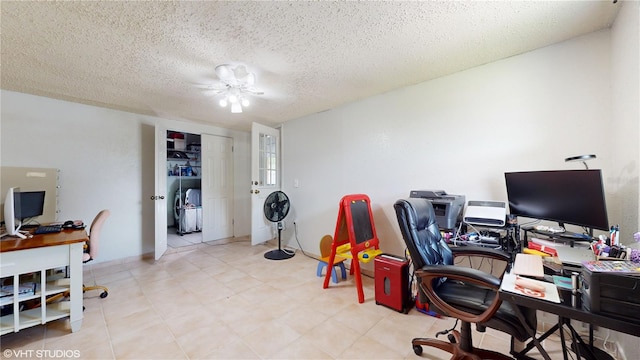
566	196
31	204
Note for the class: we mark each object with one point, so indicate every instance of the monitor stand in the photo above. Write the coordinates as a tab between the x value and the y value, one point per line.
21	233
18	233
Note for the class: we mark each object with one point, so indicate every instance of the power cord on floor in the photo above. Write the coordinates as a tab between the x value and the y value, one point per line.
295	232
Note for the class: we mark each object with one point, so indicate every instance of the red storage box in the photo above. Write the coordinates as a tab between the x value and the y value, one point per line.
391	278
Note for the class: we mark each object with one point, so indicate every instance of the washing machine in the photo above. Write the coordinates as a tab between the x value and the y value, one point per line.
187	210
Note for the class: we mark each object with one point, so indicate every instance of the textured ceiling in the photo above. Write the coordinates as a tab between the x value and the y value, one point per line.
152	57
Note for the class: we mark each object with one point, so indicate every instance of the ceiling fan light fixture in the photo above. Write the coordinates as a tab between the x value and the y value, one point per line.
236	108
237	85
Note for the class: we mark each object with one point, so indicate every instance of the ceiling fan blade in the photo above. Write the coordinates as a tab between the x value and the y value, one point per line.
211	92
213	86
240	72
251	79
225	73
254	92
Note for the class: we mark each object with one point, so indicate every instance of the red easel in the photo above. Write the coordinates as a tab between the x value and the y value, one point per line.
355	237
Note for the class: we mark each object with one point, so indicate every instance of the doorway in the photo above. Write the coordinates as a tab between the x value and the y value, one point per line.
211	171
184	189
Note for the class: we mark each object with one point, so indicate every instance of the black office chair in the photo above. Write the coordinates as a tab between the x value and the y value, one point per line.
465	293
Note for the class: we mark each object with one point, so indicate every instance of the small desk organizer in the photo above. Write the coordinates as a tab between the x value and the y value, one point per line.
355	237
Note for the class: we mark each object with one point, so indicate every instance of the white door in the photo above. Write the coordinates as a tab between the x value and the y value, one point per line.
265	177
217	187
160	195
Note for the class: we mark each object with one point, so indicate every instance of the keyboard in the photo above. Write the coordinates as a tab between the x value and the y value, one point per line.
47	229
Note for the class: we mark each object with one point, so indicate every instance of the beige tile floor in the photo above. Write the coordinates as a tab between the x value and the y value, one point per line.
174	240
224	300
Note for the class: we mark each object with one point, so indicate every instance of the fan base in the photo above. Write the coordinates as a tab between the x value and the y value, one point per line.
278	254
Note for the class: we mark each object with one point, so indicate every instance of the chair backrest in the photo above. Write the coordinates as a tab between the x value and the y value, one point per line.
421	234
325	246
94	232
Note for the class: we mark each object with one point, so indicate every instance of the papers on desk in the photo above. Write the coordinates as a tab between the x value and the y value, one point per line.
528	265
550	292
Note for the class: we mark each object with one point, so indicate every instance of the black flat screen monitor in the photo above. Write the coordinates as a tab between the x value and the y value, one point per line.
566	196
31	204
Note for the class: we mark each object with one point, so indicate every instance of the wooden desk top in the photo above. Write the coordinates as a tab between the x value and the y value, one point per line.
65	237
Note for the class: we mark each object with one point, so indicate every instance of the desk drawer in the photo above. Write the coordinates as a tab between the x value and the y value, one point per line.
23	261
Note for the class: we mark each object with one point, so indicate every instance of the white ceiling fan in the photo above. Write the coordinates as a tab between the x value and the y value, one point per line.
236	85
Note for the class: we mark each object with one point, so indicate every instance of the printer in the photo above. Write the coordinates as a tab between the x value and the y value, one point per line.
448	208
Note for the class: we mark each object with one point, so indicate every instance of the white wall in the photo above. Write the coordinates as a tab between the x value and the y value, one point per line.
459	133
625	93
106	158
625	129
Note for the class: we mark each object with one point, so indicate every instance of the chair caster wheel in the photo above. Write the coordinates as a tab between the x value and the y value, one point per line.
452	339
104	294
417	349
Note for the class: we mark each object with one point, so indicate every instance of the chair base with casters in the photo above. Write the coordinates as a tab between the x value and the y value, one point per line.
103	294
456	346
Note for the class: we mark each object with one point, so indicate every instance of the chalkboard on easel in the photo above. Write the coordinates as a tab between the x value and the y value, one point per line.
362	227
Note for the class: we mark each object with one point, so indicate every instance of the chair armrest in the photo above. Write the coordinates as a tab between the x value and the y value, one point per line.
480	251
429	273
485	253
464	274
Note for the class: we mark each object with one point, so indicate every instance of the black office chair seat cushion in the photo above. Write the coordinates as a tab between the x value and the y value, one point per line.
475	300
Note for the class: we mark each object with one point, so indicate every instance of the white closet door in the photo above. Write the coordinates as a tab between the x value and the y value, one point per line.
160	195
217	187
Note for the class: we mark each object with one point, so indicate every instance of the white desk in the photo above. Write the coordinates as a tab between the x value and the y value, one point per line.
36	256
